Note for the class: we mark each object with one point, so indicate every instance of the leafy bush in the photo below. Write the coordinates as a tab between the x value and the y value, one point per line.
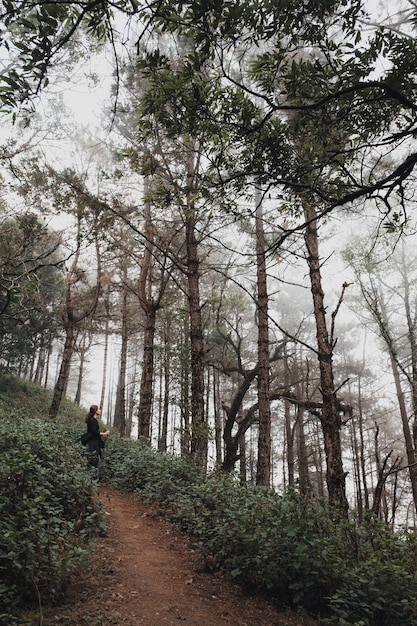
48	512
284	546
135	467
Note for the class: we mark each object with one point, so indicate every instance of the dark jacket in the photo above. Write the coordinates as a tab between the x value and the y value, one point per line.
95	443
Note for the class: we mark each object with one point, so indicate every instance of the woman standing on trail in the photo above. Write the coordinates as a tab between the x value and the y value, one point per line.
95	441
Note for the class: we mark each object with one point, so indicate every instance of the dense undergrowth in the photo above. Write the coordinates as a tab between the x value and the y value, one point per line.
48	513
283	546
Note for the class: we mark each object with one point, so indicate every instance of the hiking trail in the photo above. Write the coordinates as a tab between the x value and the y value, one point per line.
149	576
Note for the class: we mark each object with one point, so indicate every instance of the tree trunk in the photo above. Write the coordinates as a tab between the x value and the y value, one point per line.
231	441
130	404
218	429
40	366
149	306
106	349
48	363
199	435
62	380
119	420
166	374
411	332
199	431
80	375
146	382
185	389
166	378
289	443
356	461
318	459
330	417
234	413
83	348
242	458
263	471
289	435
408	438
303	473
362	447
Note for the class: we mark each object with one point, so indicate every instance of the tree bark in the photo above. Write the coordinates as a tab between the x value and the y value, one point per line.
64	370
199	432
303	473
166	375
263	470
119	419
83	347
218	429
185	389
198	426
146	382
106	348
362	446
150	305
289	434
408	438
411	333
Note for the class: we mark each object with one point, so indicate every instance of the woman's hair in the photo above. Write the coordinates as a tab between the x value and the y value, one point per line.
93	410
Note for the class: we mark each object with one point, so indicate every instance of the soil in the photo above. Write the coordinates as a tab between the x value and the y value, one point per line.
147	574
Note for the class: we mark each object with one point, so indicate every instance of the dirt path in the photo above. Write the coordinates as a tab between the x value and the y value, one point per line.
148	576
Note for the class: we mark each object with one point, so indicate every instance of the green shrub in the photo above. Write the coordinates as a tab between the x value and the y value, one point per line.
48	516
135	467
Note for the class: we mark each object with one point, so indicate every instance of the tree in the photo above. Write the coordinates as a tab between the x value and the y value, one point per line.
390	302
150	297
30	286
119	419
330	415
78	306
82	347
264	441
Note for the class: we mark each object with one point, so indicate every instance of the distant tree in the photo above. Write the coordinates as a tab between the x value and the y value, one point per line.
388	290
31	285
80	303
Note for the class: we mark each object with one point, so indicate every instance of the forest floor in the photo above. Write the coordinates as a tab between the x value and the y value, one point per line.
147	574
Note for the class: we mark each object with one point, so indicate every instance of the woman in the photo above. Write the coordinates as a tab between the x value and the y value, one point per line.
95	441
